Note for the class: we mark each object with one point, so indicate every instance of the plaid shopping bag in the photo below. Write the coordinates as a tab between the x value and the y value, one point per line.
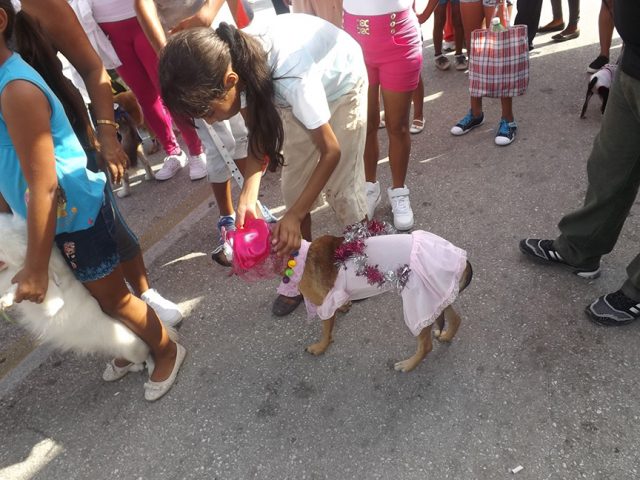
499	62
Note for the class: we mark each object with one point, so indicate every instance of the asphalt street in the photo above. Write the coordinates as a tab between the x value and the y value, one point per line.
528	381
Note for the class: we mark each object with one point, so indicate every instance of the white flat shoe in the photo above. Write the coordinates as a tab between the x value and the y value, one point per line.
154	390
112	372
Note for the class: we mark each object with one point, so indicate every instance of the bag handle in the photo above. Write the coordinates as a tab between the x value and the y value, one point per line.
506	12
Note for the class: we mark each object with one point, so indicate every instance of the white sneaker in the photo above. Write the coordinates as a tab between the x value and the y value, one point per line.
372	193
401	208
197	166
172	165
167	311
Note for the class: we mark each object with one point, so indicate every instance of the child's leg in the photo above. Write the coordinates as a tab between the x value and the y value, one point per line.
439	19
134	73
371	148
507	108
458	28
473	13
115	300
396	112
418	101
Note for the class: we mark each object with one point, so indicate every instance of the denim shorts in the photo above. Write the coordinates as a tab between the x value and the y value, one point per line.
92	254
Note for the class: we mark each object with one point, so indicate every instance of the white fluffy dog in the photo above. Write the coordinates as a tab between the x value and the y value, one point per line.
69	318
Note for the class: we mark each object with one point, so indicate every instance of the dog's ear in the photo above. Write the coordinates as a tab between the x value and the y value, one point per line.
592	83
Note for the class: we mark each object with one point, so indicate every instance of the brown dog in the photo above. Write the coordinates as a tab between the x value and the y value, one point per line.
319	277
129	118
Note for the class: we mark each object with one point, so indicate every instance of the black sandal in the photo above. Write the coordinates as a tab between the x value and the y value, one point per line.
283	305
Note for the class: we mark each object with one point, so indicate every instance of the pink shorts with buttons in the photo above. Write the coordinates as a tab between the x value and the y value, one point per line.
392	48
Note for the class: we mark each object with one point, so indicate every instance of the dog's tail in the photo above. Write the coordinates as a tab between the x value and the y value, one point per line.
173	333
467	275
592	83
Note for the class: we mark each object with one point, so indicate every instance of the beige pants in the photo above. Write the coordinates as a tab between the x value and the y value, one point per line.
330	10
345	189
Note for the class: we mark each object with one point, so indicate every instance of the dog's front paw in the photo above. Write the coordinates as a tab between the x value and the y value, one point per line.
445	336
406	365
318	348
8	298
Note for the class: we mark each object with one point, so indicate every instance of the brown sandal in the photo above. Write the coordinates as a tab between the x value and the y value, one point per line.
283	305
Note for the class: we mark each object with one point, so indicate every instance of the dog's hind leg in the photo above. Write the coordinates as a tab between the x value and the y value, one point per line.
424	347
125	191
320	347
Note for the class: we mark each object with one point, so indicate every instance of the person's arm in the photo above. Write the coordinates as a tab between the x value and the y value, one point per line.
30	133
202	18
428	10
287	231
61	25
150	23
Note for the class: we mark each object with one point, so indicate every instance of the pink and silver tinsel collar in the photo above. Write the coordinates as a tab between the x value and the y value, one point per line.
353	249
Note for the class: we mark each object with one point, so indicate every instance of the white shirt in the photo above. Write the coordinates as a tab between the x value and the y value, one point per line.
375	7
314	62
112	10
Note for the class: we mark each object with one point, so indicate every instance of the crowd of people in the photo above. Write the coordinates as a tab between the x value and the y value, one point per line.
303	94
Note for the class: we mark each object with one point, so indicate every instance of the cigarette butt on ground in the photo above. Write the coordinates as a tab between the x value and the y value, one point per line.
519	468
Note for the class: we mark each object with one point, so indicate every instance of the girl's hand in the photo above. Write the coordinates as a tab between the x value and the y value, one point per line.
32	285
243	213
286	235
113	157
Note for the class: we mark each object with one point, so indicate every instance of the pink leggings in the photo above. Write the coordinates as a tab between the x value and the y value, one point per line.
139	70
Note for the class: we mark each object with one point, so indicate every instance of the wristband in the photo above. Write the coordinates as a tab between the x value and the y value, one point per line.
107	122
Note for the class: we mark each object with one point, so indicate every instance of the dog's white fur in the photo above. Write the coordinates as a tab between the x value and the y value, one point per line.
69	318
600	84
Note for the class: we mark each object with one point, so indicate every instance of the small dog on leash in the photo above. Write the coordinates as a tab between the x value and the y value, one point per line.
69	318
599	84
426	270
128	116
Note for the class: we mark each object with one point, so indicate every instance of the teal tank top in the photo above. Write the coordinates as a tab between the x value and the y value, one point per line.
81	191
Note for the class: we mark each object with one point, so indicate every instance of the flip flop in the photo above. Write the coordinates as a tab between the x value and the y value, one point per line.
283	305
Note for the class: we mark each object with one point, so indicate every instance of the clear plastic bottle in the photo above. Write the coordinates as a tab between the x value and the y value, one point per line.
496	25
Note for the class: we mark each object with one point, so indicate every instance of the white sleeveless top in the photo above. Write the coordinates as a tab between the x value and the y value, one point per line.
375	7
112	10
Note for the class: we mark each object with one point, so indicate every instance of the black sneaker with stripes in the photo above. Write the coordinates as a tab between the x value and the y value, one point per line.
543	250
614	309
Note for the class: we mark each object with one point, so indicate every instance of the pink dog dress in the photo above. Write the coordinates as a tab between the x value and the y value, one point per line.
436	267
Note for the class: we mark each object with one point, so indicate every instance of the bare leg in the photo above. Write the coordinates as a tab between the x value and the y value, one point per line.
507	108
397	106
418	101
472	16
222	194
371	147
135	272
605	28
326	339
439	19
424	347
115	300
457	27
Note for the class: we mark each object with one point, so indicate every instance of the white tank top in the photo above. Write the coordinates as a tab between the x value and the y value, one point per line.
375	7
112	10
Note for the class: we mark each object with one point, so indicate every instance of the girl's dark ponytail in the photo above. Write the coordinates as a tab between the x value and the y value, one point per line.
192	69
37	51
250	62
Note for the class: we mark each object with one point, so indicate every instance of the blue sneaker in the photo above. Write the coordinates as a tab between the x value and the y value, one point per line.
506	132
223	254
468	123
